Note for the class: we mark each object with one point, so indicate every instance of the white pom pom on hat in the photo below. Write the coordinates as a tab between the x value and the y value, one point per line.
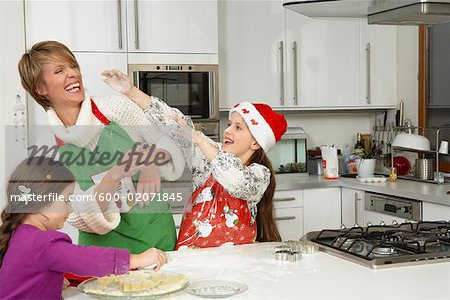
266	126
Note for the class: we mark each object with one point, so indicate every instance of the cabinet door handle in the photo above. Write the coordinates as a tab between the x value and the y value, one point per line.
284	199
281	49
357	199
177	207
119	21
368	72
136	23
285	218
294	58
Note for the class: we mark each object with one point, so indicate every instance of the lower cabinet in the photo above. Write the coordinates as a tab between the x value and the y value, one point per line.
352	207
288	211
289	222
177	217
435	212
321	209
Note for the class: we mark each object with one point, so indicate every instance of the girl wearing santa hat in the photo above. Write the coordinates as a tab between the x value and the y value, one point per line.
233	181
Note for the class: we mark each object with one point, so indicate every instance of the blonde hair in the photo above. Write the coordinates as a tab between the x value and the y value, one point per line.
31	63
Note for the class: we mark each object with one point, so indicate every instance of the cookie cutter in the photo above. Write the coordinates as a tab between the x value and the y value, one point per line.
287	255
304	247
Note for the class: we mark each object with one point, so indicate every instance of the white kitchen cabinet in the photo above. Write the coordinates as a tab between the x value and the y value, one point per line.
80	25
291	61
435	212
172	26
288	213
177	217
93	64
352	207
321	209
378	51
322	61
250	58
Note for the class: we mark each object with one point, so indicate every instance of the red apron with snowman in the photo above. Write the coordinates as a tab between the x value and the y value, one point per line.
213	217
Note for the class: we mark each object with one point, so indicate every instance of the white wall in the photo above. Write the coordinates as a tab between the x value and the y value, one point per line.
325	128
11	48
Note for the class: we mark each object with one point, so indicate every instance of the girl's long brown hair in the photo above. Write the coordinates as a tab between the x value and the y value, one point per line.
42	175
267	230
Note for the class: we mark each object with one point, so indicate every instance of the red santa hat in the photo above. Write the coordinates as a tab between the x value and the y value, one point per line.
266	126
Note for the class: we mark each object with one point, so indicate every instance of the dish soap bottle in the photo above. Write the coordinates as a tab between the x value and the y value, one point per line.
393	174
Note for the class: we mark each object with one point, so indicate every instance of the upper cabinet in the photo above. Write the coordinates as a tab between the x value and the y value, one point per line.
125	26
93	26
291	61
172	26
378	51
322	61
251	64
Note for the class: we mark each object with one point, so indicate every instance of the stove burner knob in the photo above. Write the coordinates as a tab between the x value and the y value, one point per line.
356	225
382	223
394	222
343	226
369	224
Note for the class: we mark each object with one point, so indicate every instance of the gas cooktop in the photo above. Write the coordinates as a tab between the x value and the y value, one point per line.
385	246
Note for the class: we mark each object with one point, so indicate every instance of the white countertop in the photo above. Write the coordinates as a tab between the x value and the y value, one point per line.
317	276
428	192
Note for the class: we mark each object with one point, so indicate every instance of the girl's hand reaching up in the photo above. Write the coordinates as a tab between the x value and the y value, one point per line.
117	80
147	258
186	130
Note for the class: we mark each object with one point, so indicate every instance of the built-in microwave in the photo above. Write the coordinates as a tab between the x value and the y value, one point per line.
193	89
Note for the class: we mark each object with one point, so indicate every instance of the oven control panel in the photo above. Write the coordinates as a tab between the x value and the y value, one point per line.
398	207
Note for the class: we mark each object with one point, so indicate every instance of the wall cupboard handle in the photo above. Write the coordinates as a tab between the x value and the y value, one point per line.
136	23
119	22
285	218
281	49
368	73
284	199
294	56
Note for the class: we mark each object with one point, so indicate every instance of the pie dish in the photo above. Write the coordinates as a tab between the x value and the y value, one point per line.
135	285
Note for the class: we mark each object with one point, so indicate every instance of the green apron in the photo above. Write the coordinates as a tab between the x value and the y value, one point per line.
140	228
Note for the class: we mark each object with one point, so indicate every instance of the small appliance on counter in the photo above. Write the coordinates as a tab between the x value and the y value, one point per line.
315	163
315	166
289	154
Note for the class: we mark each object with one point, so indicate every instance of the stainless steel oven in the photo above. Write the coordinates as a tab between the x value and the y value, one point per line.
389	209
193	89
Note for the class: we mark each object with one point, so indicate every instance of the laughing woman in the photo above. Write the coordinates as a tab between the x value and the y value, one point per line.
85	126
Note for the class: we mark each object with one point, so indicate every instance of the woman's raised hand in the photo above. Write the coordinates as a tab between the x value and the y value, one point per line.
117	80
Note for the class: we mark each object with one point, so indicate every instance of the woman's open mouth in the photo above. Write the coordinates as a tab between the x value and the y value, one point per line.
73	87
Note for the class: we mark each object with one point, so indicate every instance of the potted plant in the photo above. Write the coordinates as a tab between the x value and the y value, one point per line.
365	165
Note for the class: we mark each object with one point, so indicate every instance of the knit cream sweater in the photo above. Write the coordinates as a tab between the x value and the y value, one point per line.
87	215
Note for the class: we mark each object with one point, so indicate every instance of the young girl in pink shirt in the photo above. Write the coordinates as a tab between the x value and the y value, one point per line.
33	255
